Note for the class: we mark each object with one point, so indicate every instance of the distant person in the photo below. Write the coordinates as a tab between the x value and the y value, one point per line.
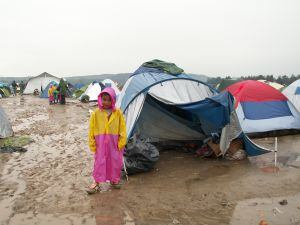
62	91
107	139
22	87
14	87
50	94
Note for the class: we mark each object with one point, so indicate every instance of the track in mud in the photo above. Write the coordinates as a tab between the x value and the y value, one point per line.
46	184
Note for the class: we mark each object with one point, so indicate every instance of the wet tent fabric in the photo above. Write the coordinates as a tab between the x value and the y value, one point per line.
5	126
262	108
39	82
193	106
44	94
292	92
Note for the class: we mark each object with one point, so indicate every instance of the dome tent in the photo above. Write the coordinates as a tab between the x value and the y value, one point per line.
292	92
164	106
262	108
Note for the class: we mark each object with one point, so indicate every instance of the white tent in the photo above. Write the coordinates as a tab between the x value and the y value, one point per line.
112	84
40	82
94	89
292	92
5	127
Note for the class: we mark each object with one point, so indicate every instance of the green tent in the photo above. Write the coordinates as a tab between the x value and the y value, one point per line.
4	92
80	91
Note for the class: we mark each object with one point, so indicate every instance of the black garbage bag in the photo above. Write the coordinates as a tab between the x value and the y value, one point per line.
140	155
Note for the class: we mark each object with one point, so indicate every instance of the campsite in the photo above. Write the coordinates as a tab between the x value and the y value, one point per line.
169	182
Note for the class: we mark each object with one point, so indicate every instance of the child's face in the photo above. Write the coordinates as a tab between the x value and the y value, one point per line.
106	101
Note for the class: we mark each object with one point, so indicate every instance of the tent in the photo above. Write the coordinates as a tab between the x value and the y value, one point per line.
112	84
80	91
94	89
4	90
292	92
262	108
44	94
225	83
273	84
163	106
39	82
5	126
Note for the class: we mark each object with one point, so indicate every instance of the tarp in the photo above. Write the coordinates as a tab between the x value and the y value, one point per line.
262	108
5	126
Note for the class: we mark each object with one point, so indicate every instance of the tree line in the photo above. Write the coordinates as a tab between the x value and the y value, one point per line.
283	80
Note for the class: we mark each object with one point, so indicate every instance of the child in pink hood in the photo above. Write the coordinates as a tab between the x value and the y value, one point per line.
107	139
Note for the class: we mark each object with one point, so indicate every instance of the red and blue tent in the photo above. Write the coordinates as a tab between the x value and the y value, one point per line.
262	108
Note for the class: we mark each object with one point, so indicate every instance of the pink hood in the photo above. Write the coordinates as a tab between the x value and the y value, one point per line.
112	95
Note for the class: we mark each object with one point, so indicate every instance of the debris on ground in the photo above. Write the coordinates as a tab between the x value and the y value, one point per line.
283	202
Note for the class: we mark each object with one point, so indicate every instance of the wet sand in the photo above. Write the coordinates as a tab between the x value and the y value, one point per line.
46	184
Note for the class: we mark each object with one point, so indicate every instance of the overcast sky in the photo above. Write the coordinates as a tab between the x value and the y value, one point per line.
212	37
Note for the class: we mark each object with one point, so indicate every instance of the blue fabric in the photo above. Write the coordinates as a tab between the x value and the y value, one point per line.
251	148
142	82
297	91
212	114
265	110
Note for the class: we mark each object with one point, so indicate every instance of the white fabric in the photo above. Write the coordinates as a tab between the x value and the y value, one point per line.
133	112
264	125
93	90
289	92
113	85
180	91
171	92
39	82
5	126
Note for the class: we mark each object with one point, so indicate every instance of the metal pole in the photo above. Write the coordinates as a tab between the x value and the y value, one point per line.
275	153
125	170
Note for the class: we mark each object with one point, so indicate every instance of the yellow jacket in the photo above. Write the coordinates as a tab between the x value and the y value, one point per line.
107	133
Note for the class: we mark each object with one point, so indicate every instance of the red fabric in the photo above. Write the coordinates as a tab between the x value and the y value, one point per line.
254	91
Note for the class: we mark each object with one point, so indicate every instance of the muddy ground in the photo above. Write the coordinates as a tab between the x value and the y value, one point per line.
46	185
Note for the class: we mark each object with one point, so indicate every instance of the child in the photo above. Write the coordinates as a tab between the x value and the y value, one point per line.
50	94
55	94
107	139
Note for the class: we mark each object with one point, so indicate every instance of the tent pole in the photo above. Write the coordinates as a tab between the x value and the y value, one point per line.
275	153
125	170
